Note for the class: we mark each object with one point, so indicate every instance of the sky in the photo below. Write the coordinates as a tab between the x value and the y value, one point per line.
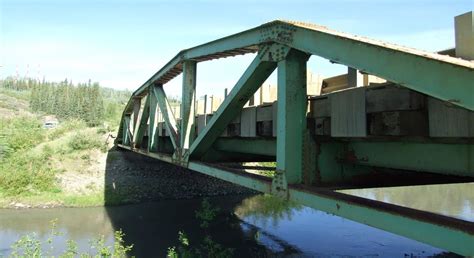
121	44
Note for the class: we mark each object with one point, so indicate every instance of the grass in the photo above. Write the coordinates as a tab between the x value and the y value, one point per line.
34	159
85	141
31	158
51	199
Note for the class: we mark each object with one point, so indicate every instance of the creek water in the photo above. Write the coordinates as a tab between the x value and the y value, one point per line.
253	226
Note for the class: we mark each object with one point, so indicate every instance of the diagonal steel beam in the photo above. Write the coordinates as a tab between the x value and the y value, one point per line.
251	80
446	78
168	115
141	125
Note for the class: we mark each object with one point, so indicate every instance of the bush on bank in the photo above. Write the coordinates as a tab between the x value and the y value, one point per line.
27	170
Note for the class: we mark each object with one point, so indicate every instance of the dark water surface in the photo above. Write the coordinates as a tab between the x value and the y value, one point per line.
254	226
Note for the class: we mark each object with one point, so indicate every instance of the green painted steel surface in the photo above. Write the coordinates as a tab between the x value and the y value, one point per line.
444	80
257	183
168	116
405	222
126	132
258	146
444	232
443	158
335	157
439	76
292	105
141	126
251	80
152	133
187	104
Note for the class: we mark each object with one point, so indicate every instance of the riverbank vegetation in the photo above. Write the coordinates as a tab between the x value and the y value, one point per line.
32	246
36	163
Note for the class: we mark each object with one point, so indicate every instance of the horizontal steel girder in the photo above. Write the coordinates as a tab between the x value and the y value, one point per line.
443	158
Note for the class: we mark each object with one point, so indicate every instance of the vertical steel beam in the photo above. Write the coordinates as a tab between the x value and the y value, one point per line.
187	104
141	126
126	130
136	111
152	135
168	116
251	80
292	105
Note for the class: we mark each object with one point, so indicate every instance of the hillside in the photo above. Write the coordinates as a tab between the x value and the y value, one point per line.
48	167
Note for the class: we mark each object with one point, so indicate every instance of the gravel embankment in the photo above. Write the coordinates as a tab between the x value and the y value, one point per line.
131	177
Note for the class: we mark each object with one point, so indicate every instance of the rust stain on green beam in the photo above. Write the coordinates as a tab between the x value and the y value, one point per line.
441	158
440	231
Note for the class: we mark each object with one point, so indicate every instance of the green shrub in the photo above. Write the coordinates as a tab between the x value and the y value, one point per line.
21	133
32	246
85	141
102	130
23	174
66	126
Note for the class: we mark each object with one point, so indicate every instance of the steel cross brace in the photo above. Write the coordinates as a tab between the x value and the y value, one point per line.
258	71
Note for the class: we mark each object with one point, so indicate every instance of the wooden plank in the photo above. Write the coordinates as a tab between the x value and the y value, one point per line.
334	83
392	98
446	120
264	113
248	122
348	117
319	107
398	123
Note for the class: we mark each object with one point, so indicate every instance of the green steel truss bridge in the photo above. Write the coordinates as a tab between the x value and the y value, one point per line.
419	120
